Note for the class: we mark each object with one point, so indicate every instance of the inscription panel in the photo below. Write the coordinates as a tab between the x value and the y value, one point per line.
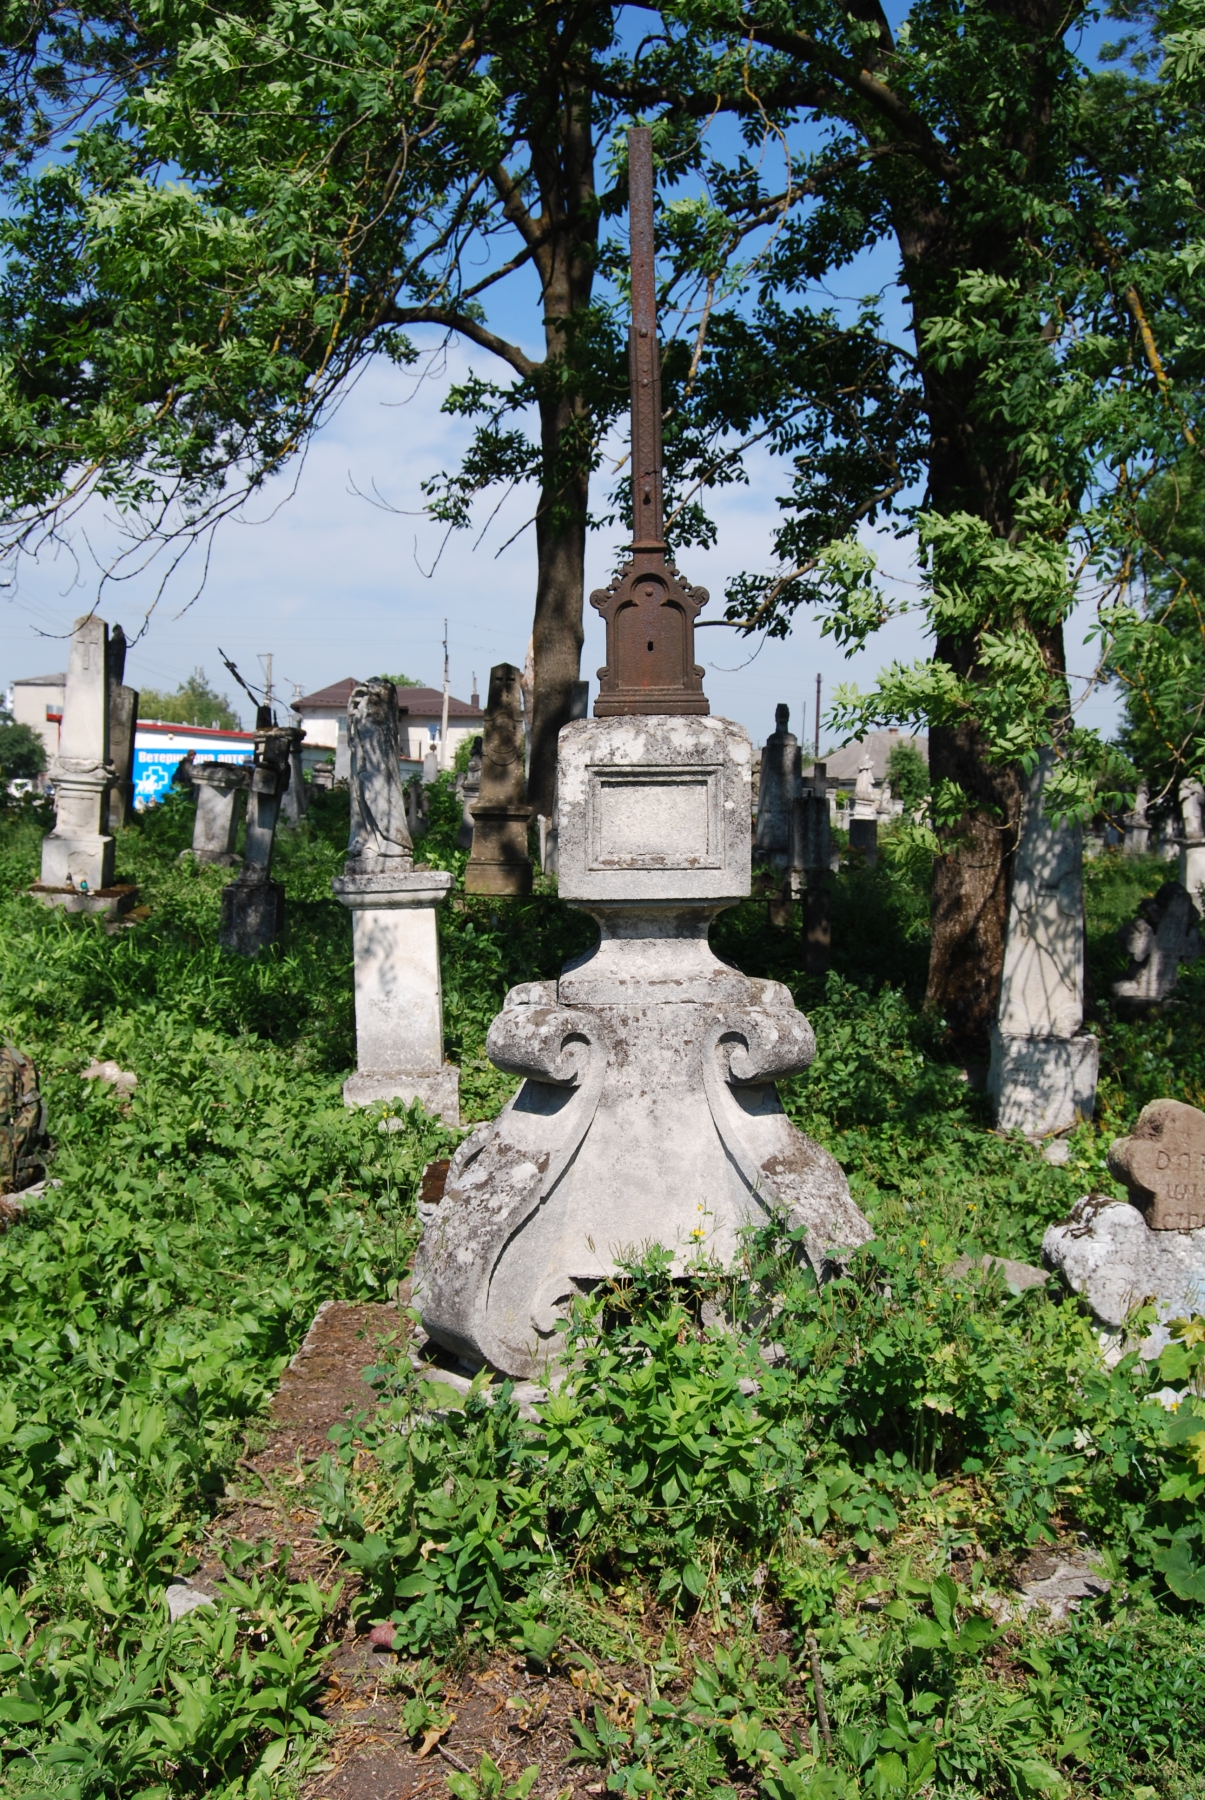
1162	1164
654	819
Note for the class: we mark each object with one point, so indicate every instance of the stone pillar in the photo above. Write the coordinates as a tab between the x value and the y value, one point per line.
292	805
399	999
648	1110
123	718
499	863
777	789
1192	843
864	822
253	904
812	853
342	751
77	856
1042	1076
1137	824
221	790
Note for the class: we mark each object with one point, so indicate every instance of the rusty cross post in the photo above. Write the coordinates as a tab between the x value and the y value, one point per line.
649	610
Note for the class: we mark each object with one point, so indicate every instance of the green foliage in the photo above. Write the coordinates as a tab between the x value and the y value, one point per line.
22	753
193	703
402	681
908	774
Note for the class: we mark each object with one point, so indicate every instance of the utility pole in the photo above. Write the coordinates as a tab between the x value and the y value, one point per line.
817	737
443	730
266	664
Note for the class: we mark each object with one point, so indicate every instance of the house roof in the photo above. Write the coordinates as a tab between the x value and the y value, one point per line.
423	701
41	680
843	765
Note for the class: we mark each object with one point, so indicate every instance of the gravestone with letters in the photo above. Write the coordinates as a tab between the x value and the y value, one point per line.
648	1111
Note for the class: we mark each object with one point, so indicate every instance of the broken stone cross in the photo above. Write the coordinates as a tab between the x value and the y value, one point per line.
253	904
648	1111
1042	1075
399	1000
499	863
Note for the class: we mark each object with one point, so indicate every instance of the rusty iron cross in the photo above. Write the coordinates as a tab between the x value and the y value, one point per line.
649	609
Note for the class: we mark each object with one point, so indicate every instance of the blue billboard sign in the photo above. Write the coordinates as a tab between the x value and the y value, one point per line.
159	750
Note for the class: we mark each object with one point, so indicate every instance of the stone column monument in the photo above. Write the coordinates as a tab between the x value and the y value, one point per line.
1042	1075
812	854
253	904
399	1000
779	786
1137	824
499	863
864	821
1192	843
648	1111
77	856
123	718
221	790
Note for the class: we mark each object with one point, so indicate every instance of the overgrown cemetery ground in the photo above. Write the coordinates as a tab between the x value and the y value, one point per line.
765	1541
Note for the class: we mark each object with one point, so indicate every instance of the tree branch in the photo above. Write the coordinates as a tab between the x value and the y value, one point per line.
454	321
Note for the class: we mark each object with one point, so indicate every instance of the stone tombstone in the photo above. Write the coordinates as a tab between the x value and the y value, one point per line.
399	998
292	805
499	863
1137	824
864	818
648	1110
253	904
1162	1165
469	790
221	792
812	855
1164	935
77	856
778	788
123	719
1042	1073
1192	842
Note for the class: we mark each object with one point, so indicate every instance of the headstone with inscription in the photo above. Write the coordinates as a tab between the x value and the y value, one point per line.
253	904
399	998
221	792
1120	1255
648	1111
499	863
77	856
1042	1075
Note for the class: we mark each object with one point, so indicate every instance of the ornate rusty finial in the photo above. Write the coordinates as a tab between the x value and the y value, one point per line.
650	611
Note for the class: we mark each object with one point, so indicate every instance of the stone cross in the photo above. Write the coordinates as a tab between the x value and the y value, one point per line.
123	719
221	789
78	854
253	904
778	789
399	998
1162	1165
1164	935
1042	1075
499	863
648	1110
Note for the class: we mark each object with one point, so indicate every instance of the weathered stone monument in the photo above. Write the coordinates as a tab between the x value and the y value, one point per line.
469	790
1120	1254
1164	935
1137	824
292	805
648	1110
499	863
253	904
1042	1075
777	790
123	718
77	856
221	790
399	999
864	820
1192	843
812	854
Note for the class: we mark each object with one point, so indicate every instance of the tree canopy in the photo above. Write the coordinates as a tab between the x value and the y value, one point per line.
193	703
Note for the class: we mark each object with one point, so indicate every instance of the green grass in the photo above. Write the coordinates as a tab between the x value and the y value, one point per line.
149	1302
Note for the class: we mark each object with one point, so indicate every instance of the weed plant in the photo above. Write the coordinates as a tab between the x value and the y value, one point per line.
862	1464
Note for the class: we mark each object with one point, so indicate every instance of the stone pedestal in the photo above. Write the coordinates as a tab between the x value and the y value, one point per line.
77	856
864	840
399	999
123	718
499	863
648	1112
1042	1076
253	912
221	790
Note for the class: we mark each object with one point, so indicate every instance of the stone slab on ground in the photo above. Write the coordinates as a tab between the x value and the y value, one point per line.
1018	1276
1053	1581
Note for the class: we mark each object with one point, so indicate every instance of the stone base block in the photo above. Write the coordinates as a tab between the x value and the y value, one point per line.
107	903
499	863
1042	1085
438	1090
864	840
497	878
1107	1252
72	861
253	915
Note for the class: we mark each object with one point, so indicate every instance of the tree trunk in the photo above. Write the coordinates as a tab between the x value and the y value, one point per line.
560	583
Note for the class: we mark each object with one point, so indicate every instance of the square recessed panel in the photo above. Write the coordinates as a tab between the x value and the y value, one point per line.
650	818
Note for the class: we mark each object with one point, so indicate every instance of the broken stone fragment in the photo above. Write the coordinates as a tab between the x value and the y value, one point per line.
1162	1165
